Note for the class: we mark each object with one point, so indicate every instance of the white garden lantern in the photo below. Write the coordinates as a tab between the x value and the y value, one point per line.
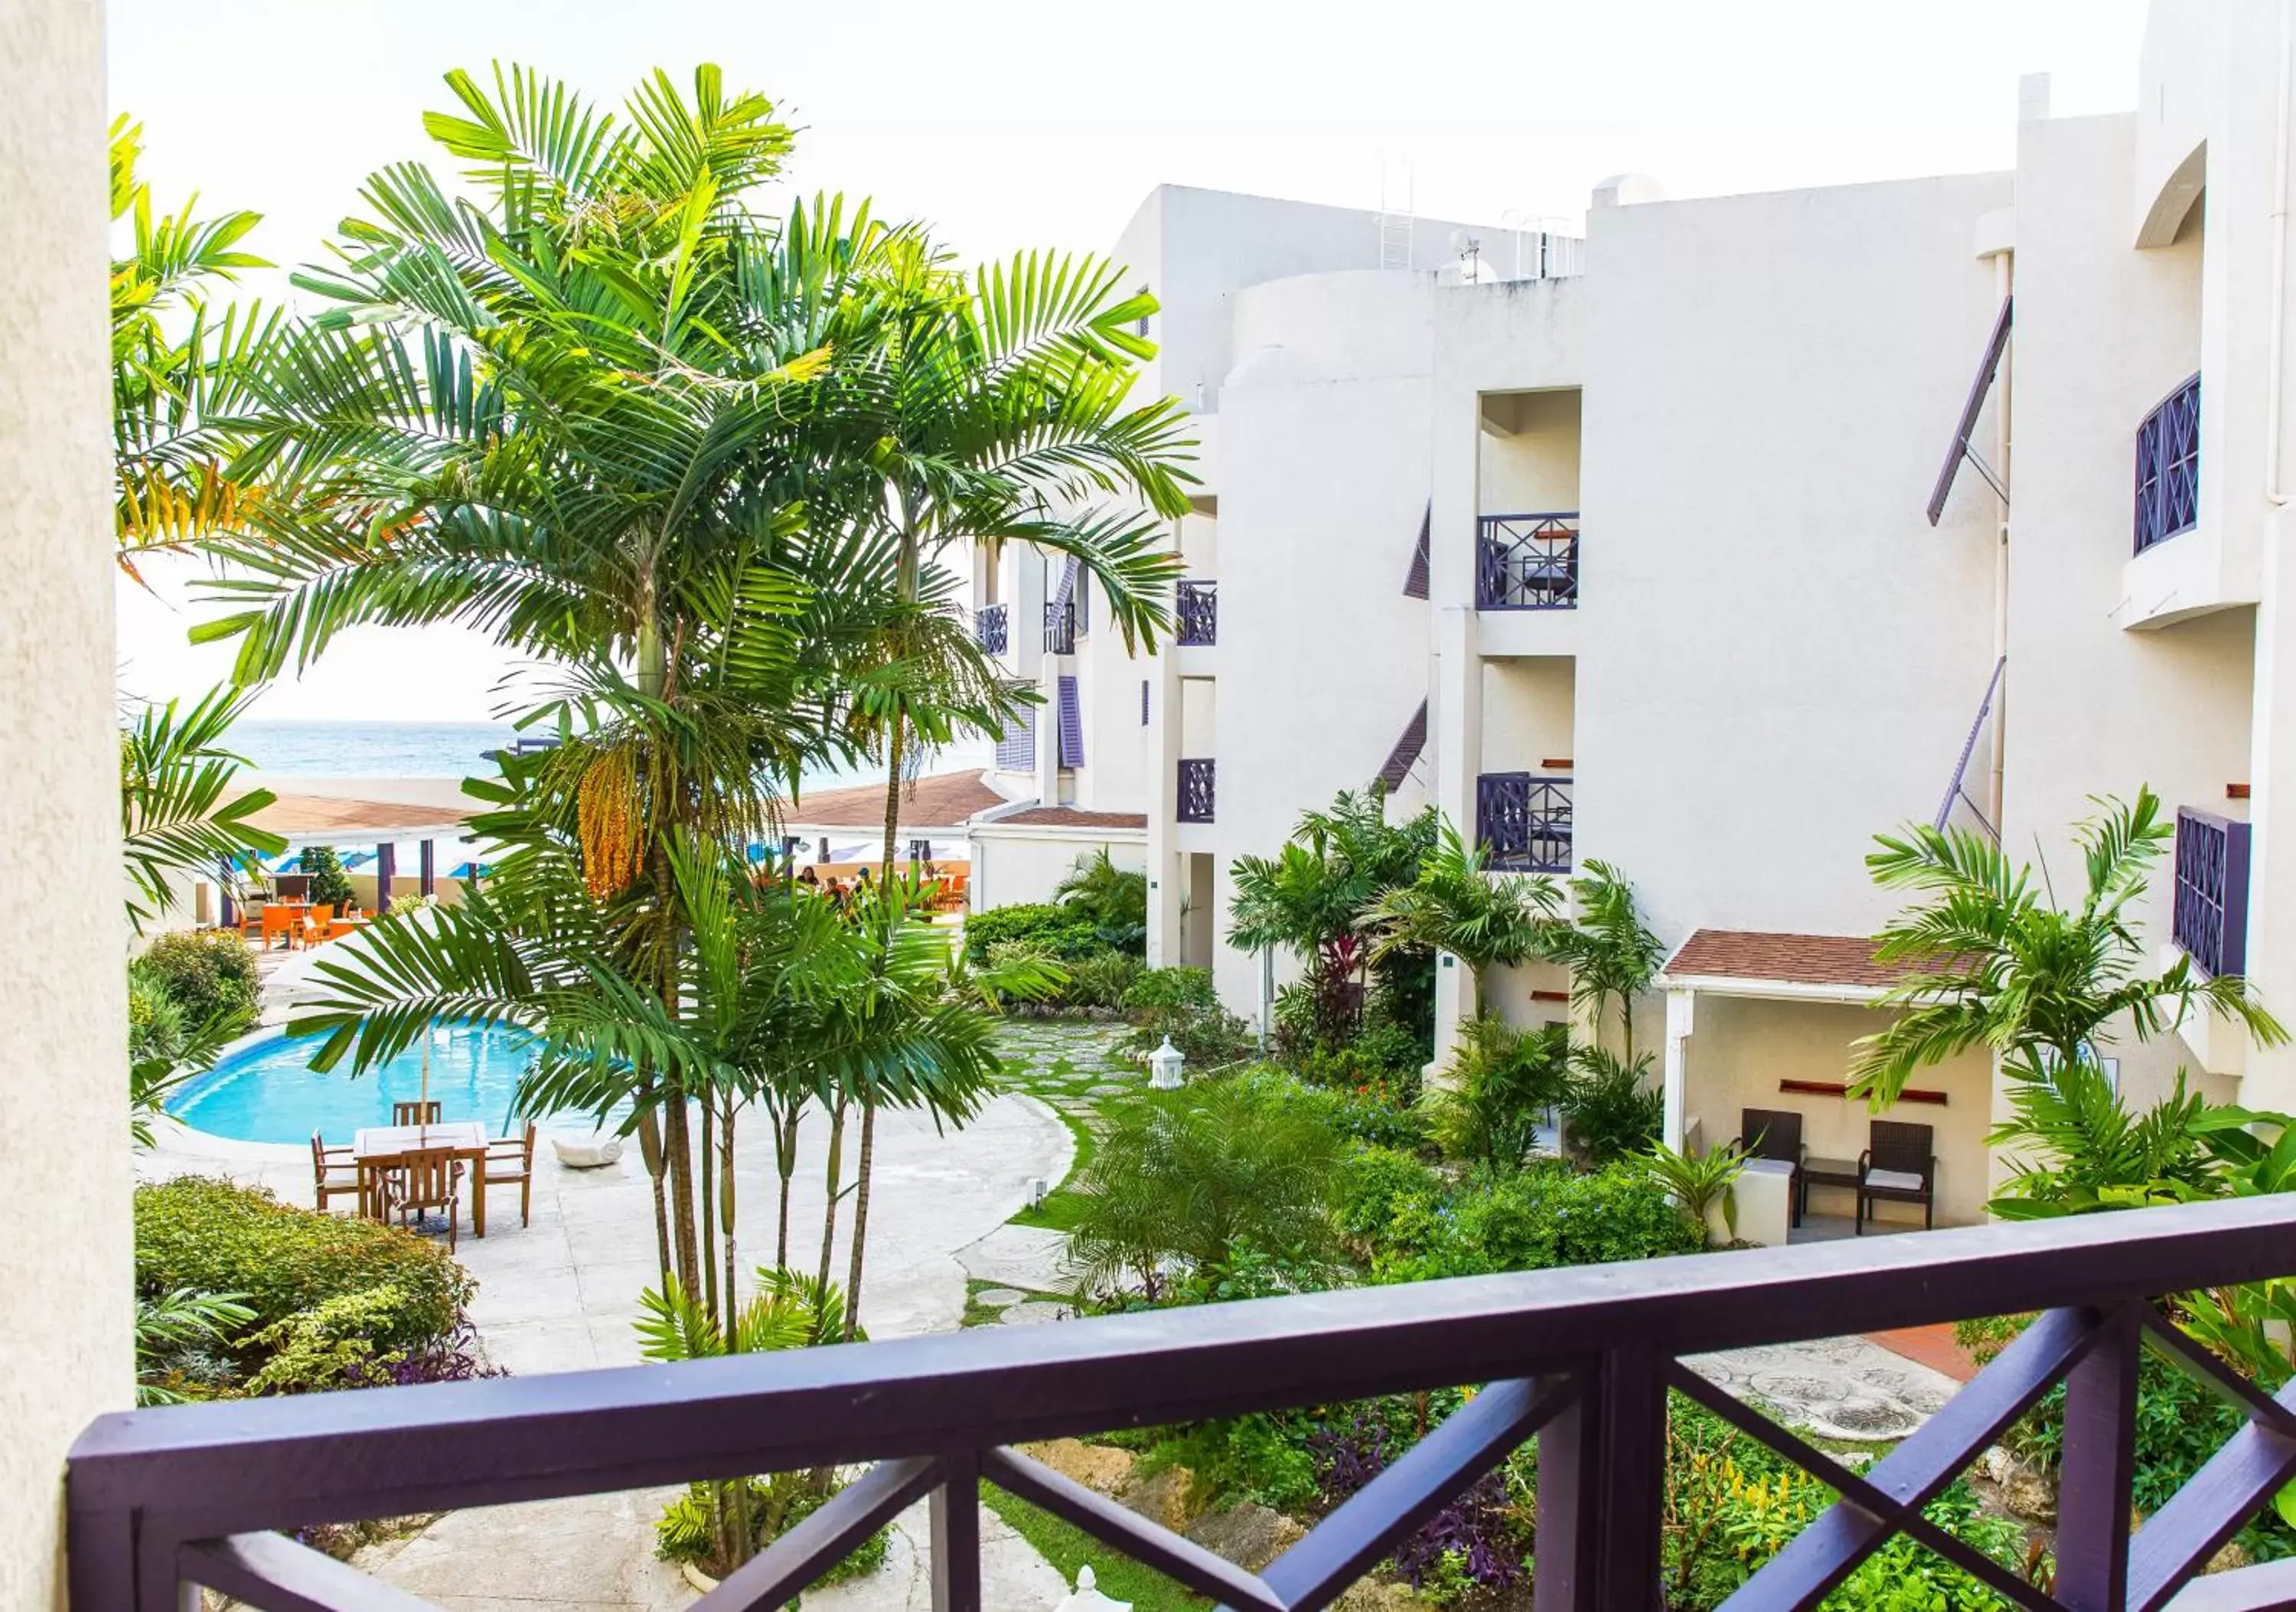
1164	1066
1087	1599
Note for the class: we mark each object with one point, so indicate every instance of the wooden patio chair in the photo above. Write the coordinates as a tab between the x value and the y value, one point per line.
333	1173
1776	1133
1901	1165
415	1114
430	1178
510	1158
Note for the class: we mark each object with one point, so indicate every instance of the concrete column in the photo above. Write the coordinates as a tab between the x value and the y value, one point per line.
1454	729
2270	1079
66	1264
1681	1016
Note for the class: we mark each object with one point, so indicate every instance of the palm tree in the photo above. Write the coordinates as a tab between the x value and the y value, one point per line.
179	812
1457	904
568	411
179	368
1315	897
986	408
1993	962
1612	955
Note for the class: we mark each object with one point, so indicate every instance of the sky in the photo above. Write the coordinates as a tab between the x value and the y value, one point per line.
1014	123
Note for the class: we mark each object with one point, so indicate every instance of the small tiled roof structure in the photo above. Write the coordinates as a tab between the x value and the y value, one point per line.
1068	816
1797	959
944	800
316	817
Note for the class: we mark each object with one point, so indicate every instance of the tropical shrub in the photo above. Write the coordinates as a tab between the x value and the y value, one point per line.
1611	1110
333	1345
2180	1425
1701	1183
1503	1083
1101	982
1114	901
1180	1003
1055	931
1478	1540
1382	1052
687	1530
1376	1113
216	1237
157	1030
1377	1188
179	1341
1185	1179
1532	1219
206	974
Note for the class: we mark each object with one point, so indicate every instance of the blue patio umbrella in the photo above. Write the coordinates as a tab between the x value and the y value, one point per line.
471	871
758	855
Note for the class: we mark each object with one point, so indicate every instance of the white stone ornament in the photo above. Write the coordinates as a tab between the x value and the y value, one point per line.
1087	1599
1164	1065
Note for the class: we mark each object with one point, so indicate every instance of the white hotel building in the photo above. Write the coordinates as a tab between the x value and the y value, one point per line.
1639	548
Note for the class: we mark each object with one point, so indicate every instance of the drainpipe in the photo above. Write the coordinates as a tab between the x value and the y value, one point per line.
2274	494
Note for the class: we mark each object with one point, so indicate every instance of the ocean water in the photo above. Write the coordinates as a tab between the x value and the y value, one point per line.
445	750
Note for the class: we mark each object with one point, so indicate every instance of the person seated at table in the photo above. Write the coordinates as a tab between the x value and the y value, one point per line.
808	877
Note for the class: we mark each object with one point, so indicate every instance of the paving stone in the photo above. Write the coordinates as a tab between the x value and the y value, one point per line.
999	1296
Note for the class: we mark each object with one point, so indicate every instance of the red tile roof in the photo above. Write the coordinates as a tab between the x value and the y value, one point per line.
1072	817
1800	959
945	800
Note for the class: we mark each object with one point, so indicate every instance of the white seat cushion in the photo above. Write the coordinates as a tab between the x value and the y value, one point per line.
1893	1181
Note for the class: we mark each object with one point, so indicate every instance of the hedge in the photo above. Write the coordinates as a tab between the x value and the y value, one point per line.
216	1237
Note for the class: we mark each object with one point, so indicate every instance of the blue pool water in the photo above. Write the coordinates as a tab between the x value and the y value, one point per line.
267	1091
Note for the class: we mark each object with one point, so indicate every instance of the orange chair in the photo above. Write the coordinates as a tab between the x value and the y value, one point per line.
285	922
315	921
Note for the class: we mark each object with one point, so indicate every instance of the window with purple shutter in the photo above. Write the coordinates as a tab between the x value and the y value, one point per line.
1071	725
1016	749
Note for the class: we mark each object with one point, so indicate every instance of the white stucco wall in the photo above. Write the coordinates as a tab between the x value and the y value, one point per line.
1778	657
1014	866
1324	480
65	1265
2092	708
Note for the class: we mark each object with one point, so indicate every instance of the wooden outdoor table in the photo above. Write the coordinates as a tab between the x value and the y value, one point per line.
466	1139
1828	1172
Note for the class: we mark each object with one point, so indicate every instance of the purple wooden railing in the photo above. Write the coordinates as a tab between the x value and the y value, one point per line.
992	628
2168	468
1527	562
1198	789
2209	916
1524	822
1198	605
1580	1360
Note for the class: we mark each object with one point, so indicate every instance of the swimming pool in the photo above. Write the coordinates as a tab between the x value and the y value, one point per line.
267	1091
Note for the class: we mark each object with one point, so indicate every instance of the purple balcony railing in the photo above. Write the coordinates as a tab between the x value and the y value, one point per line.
2168	468
1527	562
1061	628
1198	609
1197	779
992	628
1524	822
1581	1360
2210	914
